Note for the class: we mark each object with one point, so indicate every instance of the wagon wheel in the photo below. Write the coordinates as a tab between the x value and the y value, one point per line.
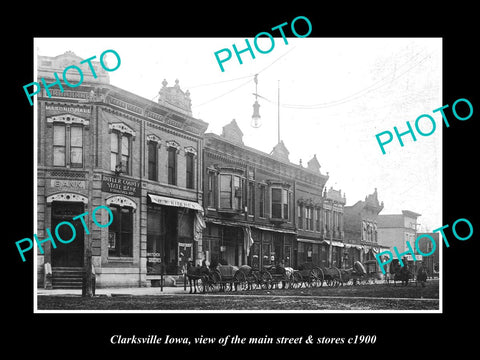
215	280
240	280
315	276
265	280
297	280
252	281
285	281
320	276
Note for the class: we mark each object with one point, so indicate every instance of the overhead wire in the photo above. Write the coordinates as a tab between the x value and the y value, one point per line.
239	78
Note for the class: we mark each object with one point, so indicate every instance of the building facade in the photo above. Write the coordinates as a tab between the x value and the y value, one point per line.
101	145
261	209
395	230
361	230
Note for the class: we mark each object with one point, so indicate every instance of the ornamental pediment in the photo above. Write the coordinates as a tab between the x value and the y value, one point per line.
68	119
121	127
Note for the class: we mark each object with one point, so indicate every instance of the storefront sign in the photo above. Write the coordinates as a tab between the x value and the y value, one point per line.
68	108
154	257
71	184
119	185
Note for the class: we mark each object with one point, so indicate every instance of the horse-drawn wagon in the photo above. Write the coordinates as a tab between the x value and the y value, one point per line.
308	275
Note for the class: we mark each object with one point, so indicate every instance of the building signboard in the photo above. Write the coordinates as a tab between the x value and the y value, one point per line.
120	185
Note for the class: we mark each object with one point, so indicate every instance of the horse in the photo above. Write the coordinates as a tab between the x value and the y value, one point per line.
400	273
422	275
195	273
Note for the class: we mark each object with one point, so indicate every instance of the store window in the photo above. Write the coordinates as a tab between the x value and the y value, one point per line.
155	246
120	232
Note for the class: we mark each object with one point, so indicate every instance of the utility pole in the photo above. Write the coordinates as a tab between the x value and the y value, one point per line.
278	110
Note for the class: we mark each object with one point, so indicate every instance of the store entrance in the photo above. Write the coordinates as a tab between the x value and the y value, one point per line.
71	253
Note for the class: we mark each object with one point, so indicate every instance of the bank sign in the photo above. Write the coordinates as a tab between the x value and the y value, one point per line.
120	185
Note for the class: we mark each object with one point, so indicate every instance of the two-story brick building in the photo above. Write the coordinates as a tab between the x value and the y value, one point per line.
101	145
361	229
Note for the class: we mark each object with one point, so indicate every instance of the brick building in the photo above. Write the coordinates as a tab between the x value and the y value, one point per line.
398	229
102	145
361	230
260	208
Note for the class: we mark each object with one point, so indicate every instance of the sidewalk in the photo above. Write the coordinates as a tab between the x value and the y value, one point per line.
116	291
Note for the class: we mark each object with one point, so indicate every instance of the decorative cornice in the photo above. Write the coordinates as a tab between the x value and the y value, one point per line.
190	150
67	196
68	119
121	201
121	127
153	138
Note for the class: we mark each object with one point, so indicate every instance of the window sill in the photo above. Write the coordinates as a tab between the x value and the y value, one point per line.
278	220
122	259
229	212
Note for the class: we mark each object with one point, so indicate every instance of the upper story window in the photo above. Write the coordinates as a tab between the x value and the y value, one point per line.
251	198
230	191
59	145
153	143
210	195
300	216
68	140
317	220
121	137
172	151
119	152
308	218
190	154
152	161
172	166
261	201
280	203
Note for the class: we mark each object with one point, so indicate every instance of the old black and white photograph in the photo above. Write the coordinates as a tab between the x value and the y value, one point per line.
294	175
227	181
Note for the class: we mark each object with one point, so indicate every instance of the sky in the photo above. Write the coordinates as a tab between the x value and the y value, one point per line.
335	95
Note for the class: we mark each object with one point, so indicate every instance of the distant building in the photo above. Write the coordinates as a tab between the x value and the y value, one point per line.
361	229
395	230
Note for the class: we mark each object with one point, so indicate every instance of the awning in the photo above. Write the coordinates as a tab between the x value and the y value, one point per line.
336	243
313	241
285	231
358	247
168	201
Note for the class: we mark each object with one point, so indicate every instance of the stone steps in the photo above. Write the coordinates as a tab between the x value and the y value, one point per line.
67	277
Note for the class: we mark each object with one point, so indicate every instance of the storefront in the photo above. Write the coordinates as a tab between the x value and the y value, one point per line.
174	227
272	246
312	251
226	242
